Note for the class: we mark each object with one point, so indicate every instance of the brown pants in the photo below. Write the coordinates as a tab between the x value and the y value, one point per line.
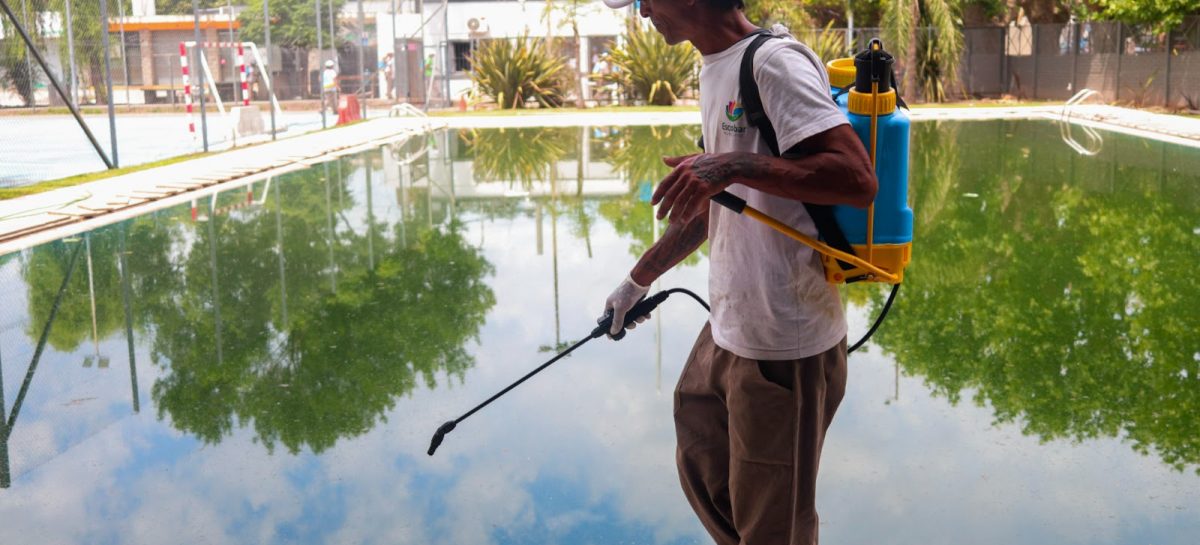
749	438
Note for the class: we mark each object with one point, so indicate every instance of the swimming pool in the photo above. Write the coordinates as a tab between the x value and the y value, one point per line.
269	365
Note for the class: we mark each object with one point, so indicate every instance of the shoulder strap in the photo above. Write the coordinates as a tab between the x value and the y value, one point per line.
751	100
821	214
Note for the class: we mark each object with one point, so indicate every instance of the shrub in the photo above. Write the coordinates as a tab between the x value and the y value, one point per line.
513	71
652	69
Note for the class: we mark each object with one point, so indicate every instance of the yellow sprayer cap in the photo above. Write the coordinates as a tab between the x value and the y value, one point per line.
841	72
862	103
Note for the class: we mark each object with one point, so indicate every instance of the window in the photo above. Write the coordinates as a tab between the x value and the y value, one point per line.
462	56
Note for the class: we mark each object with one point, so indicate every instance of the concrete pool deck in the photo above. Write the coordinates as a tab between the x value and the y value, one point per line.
35	219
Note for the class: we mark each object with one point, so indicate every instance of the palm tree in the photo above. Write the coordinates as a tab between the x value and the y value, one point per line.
930	58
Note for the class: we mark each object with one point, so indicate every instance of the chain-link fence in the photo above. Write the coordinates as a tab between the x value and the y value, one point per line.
176	80
56	76
1127	64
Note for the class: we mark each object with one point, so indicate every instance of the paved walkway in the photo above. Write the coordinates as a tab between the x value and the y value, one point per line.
33	219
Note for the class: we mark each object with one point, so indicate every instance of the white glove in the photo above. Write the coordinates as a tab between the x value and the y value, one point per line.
622	299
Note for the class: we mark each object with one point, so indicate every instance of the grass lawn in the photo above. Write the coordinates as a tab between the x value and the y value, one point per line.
559	111
40	187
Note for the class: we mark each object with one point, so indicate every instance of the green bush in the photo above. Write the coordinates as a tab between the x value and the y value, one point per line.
513	71
654	70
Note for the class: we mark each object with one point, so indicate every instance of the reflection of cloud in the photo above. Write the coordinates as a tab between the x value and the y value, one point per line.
919	470
586	448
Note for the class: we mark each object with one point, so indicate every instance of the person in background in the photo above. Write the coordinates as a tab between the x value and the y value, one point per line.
387	66
329	88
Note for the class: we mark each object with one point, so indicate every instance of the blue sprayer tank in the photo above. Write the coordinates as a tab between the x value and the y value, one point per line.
891	246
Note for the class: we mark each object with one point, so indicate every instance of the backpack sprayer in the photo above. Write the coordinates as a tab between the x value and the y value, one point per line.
872	245
856	245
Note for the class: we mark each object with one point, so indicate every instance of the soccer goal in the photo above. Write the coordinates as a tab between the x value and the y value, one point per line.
258	67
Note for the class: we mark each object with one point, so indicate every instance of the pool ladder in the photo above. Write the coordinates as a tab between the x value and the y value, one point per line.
1095	141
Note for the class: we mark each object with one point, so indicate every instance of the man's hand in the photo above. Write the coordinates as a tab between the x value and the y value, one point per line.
622	299
684	193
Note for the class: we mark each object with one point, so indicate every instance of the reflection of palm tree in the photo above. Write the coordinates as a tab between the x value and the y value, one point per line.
520	155
1066	309
638	150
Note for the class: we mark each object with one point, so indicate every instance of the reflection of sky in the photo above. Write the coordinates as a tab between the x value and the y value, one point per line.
583	453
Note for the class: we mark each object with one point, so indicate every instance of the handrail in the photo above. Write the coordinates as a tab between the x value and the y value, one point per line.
1096	142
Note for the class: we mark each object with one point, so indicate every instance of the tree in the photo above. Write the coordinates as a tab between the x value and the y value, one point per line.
184	7
293	22
571	11
1161	14
926	36
767	12
16	68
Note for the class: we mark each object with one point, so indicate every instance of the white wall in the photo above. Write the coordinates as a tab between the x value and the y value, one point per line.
497	20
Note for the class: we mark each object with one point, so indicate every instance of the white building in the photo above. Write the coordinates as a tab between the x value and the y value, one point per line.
438	37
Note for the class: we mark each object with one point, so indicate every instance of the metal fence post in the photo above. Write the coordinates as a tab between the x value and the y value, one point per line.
28	61
112	119
1167	91
71	56
237	89
320	68
1003	62
363	88
200	73
1120	55
1075	57
1035	60
267	69
337	61
124	53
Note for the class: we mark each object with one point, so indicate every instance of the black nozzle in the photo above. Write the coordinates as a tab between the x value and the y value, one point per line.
440	435
873	65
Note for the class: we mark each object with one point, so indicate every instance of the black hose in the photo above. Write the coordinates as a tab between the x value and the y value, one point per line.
882	314
642	308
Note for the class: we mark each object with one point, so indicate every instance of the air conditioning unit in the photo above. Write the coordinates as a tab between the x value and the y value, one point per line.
477	26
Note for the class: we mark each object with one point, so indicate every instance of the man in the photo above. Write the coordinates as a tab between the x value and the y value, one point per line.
768	371
386	67
329	88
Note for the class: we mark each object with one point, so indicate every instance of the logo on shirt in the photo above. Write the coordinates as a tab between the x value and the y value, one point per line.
734	111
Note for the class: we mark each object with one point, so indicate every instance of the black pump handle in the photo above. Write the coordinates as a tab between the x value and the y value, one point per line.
642	308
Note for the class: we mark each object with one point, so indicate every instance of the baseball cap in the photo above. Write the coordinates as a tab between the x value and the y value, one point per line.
329	63
617	4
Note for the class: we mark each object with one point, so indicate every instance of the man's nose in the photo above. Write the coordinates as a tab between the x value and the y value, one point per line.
644	8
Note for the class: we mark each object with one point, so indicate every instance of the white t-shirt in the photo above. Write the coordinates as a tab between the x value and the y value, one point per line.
770	300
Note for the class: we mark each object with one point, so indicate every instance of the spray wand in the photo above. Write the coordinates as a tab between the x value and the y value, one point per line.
642	308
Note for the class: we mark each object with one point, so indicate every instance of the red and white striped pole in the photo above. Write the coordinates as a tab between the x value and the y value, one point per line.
241	59
187	88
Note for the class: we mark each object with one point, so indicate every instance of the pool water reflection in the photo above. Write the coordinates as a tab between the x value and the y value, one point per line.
269	365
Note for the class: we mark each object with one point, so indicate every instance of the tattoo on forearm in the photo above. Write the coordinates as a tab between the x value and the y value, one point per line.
714	170
711	170
677	242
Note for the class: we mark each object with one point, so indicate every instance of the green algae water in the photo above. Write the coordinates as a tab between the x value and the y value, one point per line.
267	365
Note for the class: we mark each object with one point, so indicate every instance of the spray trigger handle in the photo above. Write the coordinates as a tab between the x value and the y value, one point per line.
642	308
